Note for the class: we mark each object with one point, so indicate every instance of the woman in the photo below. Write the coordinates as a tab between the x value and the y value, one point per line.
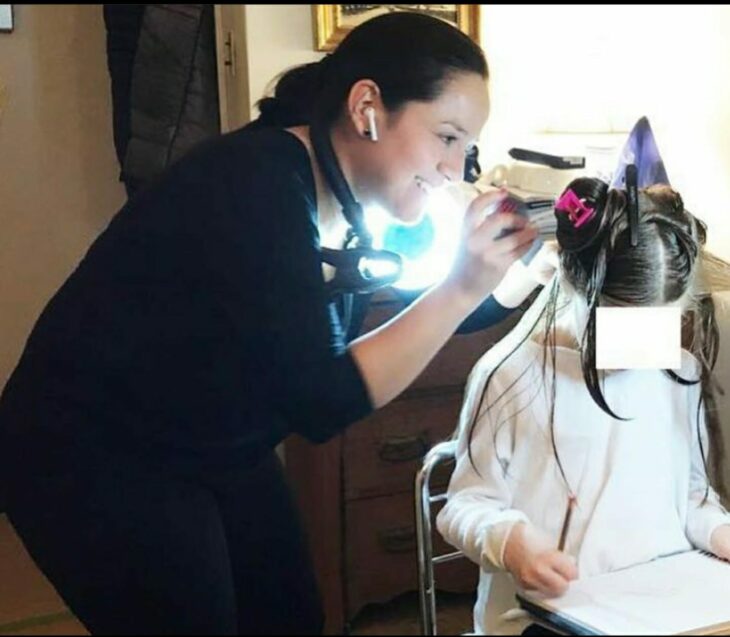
622	455
198	332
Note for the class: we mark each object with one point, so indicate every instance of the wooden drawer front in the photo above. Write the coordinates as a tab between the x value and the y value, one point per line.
379	312
383	452
380	542
451	366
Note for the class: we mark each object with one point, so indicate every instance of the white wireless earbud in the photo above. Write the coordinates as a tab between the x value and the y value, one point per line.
370	113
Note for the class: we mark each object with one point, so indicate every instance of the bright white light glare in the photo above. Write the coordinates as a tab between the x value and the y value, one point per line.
434	263
377	267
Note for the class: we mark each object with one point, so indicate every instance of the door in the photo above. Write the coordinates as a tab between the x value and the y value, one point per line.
233	80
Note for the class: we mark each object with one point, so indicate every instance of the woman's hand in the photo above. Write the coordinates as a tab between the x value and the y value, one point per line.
483	258
720	541
535	563
520	280
393	355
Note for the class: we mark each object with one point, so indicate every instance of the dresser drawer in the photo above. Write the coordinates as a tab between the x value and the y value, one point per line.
381	553
452	364
383	452
380	311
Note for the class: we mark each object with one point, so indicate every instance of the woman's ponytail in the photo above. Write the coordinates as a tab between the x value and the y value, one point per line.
295	95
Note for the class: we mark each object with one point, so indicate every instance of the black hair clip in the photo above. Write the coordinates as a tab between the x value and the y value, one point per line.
632	195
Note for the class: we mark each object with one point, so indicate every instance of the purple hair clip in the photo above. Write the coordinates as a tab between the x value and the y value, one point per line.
578	212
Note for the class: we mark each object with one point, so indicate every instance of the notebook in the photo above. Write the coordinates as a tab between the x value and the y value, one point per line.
686	593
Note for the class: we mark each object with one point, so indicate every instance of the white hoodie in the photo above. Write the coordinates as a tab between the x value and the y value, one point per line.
639	483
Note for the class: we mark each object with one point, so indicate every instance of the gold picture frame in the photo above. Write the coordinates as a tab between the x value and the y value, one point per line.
332	22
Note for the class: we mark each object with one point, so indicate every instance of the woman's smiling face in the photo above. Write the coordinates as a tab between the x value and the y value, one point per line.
422	145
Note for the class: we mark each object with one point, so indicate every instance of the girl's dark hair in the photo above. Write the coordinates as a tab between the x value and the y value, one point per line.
599	263
408	55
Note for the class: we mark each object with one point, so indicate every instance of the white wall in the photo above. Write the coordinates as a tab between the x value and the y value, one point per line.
58	171
553	65
278	37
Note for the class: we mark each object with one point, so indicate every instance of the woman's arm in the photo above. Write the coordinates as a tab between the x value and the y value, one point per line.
393	355
518	283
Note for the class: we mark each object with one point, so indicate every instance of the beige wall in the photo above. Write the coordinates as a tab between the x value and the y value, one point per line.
58	172
278	37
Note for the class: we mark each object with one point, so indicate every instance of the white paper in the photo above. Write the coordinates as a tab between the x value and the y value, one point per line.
672	595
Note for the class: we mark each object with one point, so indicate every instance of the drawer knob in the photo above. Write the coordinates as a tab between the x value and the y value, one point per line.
404	449
399	540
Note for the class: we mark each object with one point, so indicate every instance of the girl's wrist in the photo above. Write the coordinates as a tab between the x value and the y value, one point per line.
513	546
720	541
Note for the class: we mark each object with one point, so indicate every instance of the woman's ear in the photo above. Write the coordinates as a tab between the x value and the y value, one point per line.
365	108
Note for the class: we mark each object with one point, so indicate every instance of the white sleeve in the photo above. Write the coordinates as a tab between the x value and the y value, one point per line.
516	285
477	517
702	519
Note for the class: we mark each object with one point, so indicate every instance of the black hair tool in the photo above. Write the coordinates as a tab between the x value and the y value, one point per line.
559	162
351	272
632	195
472	169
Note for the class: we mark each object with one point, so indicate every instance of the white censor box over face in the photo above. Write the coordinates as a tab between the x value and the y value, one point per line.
638	338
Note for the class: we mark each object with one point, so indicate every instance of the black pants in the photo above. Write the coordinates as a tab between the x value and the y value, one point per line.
133	551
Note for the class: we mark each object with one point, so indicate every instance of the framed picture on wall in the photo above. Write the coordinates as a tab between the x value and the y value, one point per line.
6	17
333	21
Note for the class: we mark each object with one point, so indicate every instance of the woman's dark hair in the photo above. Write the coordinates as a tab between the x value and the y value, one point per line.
408	55
598	261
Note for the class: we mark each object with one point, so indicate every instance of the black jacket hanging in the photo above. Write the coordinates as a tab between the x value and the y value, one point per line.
162	62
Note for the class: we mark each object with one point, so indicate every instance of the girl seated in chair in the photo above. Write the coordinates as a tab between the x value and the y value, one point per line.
543	432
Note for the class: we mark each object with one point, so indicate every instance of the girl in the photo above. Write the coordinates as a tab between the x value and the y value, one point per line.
543	431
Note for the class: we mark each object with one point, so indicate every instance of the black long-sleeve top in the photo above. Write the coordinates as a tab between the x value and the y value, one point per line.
197	329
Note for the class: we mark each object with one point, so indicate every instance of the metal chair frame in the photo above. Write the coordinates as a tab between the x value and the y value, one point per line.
440	453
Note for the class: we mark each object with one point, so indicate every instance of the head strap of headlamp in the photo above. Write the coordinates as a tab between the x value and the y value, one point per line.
351	276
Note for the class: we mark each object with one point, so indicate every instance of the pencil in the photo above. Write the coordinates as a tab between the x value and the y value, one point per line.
566	522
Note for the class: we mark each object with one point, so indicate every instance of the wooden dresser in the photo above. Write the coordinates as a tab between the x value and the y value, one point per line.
356	492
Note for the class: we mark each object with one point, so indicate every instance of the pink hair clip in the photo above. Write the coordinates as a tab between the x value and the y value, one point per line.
578	212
